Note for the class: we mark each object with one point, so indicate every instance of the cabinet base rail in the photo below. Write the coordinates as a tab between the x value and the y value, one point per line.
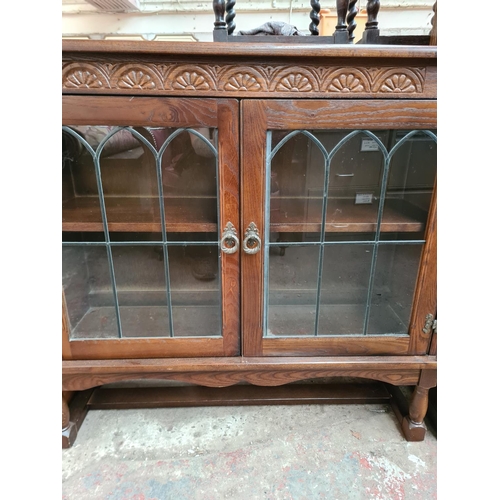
221	373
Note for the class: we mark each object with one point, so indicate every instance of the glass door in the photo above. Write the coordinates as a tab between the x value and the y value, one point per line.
149	219
343	232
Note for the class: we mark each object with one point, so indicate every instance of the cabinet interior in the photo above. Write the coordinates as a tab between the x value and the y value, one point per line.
334	263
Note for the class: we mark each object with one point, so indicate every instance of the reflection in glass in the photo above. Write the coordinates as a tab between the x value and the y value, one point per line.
344	289
141	290
393	289
88	293
292	291
195	290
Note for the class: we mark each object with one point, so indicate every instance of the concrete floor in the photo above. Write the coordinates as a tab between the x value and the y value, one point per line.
253	452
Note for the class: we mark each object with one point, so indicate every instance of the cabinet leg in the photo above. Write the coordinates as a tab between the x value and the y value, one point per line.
69	430
72	418
413	425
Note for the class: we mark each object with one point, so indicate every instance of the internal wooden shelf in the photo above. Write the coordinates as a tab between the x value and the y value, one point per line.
199	215
140	214
343	216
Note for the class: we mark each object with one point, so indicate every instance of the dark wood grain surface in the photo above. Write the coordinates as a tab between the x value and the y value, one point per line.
374	114
139	111
246	49
228	124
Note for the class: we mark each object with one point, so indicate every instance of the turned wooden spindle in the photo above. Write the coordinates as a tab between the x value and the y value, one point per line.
340	35
351	23
219	7
434	22
371	35
341	13
372	8
418	405
230	15
314	16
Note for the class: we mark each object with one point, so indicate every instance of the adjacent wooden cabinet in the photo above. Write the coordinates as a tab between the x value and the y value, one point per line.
249	213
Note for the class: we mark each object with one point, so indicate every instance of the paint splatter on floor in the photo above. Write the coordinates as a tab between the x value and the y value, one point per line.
264	453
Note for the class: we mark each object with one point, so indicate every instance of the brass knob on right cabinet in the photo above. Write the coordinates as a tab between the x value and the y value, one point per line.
252	242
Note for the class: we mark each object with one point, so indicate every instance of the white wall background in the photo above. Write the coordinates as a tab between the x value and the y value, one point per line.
193	19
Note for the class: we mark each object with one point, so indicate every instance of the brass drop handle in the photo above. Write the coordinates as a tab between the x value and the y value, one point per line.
251	243
229	242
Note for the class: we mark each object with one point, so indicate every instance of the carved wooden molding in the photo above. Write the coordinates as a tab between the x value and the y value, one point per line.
199	79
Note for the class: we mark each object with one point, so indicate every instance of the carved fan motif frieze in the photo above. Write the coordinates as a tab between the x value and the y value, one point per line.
83	76
135	77
400	80
136	80
243	81
346	83
294	80
191	81
85	79
187	77
201	78
346	80
398	83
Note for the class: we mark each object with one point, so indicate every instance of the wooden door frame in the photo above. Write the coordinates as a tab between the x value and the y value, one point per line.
259	116
222	114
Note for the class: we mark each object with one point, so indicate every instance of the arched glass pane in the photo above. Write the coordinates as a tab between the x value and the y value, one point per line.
190	183
412	174
81	210
190	197
130	186
355	181
295	188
